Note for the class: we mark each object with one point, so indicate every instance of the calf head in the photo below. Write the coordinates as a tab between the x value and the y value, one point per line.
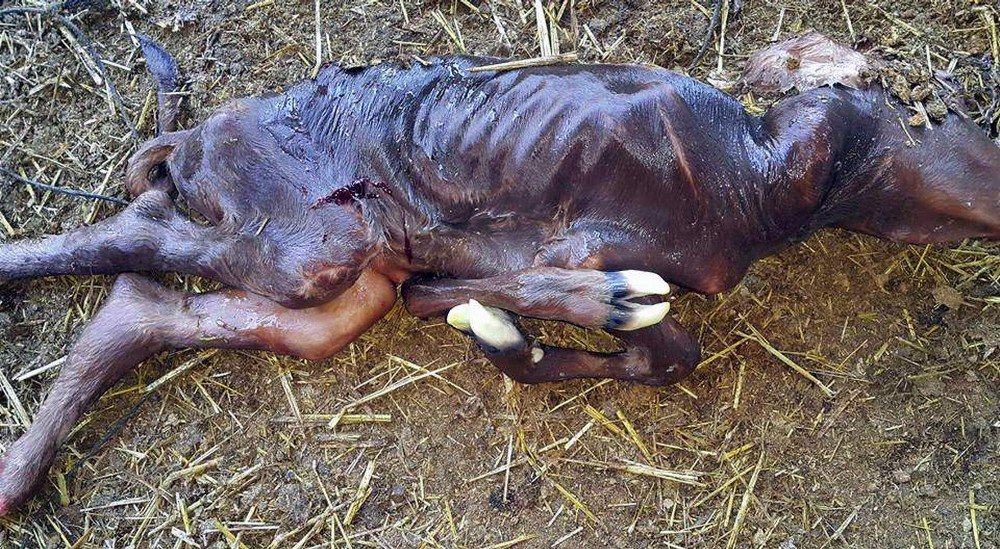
252	171
226	165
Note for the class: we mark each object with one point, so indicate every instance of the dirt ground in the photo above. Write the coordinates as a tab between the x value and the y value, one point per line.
433	447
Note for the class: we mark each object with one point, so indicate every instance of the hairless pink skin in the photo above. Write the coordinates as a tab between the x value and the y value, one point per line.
525	190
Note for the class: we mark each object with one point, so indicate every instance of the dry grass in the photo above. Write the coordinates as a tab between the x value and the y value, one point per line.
848	395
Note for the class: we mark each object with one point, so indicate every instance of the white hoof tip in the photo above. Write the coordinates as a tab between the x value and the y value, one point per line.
493	328
643	283
537	354
642	316
458	317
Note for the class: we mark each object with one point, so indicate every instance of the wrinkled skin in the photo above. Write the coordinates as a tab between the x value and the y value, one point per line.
526	190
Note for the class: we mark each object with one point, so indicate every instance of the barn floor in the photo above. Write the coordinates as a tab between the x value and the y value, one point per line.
433	447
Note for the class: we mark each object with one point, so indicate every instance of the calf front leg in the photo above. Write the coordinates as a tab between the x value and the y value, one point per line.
585	297
141	318
152	235
660	354
658	350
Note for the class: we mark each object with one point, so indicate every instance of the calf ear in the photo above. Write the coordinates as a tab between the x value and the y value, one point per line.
163	69
146	169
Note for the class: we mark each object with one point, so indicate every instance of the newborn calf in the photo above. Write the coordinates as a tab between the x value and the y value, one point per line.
577	193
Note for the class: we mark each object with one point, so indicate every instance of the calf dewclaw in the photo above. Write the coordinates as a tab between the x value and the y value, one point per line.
579	193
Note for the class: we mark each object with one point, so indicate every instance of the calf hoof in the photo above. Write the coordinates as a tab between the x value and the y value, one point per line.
626	315
493	329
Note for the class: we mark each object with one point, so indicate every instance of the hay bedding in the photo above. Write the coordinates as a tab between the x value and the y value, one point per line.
408	438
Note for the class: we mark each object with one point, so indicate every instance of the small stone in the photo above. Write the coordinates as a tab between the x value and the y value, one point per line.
932	388
597	25
901	477
787	544
948	296
397	494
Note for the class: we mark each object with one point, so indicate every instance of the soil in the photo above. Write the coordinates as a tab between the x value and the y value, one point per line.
236	449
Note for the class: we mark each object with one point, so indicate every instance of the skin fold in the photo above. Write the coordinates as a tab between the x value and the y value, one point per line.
551	192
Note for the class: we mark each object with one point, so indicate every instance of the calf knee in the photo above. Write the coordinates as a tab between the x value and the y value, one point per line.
317	333
315	346
139	302
314	333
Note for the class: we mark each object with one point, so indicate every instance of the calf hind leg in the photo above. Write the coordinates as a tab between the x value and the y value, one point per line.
141	318
660	354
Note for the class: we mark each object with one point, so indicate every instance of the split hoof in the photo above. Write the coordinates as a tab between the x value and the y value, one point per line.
458	317
625	285
493	328
602	299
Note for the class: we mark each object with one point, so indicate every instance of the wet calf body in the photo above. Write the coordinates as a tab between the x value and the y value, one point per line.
576	193
472	174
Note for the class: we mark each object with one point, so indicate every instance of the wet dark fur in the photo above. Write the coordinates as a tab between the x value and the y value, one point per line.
605	167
